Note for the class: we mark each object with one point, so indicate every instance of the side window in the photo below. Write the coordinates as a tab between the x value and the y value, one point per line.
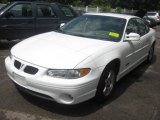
45	11
21	10
132	27
142	27
67	11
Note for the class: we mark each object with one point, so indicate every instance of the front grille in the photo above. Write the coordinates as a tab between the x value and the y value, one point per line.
30	70
27	69
17	64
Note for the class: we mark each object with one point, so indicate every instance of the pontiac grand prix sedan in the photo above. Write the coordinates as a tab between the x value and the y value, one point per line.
82	60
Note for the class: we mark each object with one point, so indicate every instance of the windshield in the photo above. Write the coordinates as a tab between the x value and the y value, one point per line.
96	27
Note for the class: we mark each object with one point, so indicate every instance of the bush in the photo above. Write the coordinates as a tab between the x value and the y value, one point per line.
4	1
118	10
105	8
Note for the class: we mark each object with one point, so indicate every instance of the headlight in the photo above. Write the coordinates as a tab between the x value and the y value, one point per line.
68	74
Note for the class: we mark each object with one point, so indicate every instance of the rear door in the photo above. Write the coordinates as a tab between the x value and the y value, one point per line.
46	19
18	22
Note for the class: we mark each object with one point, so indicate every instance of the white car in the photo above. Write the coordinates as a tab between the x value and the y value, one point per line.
84	59
155	16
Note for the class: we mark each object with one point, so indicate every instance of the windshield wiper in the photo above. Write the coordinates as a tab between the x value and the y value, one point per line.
59	30
79	35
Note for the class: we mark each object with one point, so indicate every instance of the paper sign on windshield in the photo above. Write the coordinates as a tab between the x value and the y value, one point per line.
114	34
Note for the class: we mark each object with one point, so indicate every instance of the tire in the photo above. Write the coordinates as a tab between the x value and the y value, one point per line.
106	84
150	54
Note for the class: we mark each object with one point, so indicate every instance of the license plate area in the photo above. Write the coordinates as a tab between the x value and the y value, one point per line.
19	79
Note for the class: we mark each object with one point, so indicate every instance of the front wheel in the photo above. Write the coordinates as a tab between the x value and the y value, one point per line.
106	84
150	55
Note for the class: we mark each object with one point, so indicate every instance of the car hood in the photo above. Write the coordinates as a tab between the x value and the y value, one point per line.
57	50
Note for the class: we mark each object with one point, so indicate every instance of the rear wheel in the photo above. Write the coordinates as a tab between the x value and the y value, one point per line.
106	83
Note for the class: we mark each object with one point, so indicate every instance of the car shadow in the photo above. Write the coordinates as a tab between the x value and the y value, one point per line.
7	45
90	106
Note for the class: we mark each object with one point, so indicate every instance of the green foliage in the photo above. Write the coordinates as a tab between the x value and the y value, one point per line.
78	3
4	1
118	10
99	2
106	8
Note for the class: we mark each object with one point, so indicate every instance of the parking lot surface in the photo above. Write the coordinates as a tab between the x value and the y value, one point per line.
136	97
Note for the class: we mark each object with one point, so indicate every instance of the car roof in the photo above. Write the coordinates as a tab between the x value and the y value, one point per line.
18	1
29	1
113	15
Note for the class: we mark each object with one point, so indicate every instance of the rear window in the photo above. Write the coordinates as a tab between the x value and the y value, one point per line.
68	12
45	11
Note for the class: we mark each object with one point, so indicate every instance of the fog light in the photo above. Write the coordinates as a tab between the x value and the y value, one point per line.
66	98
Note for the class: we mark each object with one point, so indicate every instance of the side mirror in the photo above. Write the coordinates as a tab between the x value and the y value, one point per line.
61	25
132	37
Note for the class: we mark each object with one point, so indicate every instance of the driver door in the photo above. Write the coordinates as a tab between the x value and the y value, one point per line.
144	42
130	48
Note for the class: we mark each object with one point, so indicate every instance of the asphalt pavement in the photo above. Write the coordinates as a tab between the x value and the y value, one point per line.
136	97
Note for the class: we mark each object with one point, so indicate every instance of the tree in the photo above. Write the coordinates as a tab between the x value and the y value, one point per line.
4	1
141	4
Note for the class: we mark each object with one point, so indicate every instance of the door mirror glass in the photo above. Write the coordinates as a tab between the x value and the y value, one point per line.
132	37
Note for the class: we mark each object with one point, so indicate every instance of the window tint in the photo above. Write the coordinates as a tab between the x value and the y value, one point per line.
21	10
45	11
67	11
96	27
132	26
142	27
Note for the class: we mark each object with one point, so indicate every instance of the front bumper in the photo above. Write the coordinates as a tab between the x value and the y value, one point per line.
60	90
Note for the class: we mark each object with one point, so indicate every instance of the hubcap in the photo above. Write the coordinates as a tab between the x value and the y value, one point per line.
109	82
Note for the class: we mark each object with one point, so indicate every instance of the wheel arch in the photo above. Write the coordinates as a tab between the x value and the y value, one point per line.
154	43
116	63
100	87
